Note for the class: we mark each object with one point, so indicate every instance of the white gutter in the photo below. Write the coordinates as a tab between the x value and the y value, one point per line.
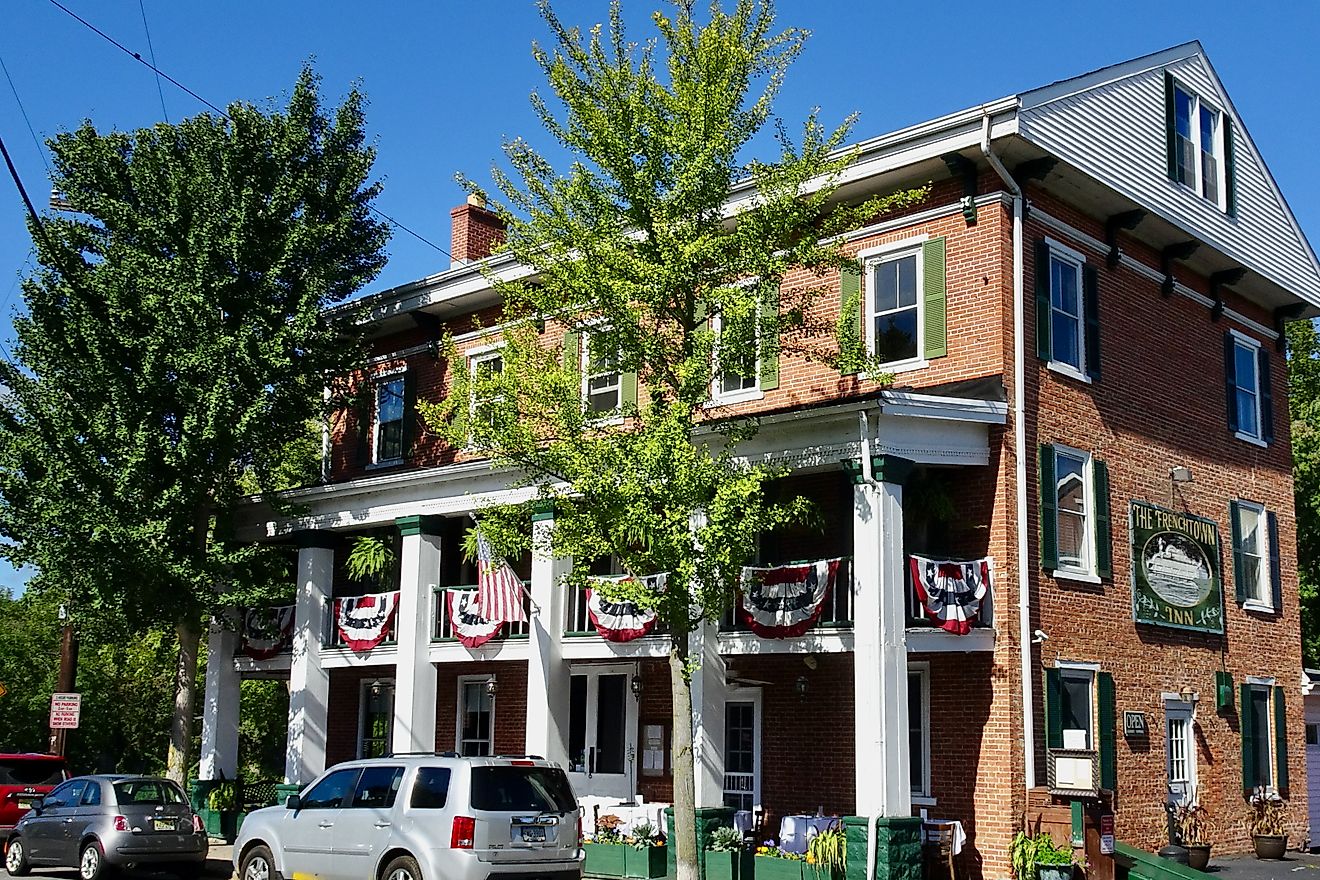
1020	453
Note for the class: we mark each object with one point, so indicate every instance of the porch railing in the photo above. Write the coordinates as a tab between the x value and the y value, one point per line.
917	617
577	622
838	610
443	629
331	637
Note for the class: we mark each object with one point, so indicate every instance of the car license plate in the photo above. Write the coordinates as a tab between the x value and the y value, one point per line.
162	824
533	834
24	804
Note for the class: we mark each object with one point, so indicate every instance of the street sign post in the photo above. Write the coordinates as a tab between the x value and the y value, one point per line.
64	711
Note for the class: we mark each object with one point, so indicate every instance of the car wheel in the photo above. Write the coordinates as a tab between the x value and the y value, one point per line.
91	861
402	868
16	860
258	864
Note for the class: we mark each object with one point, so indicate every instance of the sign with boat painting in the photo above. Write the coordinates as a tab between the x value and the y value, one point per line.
1176	578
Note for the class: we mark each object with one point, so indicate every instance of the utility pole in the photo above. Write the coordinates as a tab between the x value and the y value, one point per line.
67	675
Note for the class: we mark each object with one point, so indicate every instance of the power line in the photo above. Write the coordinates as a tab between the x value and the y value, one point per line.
160	73
41	151
152	49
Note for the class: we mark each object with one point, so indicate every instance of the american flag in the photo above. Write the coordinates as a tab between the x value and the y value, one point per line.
499	589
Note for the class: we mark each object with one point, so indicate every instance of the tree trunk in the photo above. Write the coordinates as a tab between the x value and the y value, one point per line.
685	779
185	693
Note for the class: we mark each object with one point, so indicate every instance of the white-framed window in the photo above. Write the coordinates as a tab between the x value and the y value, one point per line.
387	425
1075	510
737	378
919	729
1077	707
894	324
1198	145
376	718
1067	311
602	384
1246	390
1180	749
1252	554
481	366
475	736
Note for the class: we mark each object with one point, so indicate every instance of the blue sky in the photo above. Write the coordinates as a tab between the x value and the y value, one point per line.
448	81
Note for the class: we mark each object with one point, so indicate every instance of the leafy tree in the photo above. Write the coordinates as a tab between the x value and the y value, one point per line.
176	339
633	252
1304	408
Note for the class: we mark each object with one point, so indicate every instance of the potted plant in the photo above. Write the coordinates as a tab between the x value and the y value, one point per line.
1040	858
773	863
1267	816
222	803
1189	820
606	851
645	858
828	853
727	856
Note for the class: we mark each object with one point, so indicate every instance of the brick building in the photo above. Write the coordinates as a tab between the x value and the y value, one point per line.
1090	392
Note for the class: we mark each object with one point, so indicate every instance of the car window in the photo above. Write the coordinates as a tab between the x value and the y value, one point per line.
328	794
153	792
23	772
543	789
431	788
92	794
377	786
65	796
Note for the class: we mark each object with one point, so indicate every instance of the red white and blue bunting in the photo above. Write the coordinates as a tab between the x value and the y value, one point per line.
623	621
364	621
952	592
466	622
266	632
785	601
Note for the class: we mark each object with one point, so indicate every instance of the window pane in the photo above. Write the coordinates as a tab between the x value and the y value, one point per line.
577	722
1065	314
907	281
476	719
1065	340
1209	164
390	441
1076	708
1264	728
1182	112
377	786
431	788
1177	750
739	738
610	725
896	336
389	400
916	741
1244	367
886	287
329	792
1072	519
524	789
1063	287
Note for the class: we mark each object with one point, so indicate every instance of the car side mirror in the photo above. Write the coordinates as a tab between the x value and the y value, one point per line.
293	803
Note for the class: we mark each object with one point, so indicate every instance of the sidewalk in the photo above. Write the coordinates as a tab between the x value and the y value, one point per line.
1295	866
219	862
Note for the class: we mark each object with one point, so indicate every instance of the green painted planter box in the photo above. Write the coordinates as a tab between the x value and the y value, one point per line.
605	859
769	868
645	864
725	865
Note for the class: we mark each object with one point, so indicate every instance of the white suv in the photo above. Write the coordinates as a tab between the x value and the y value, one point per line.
420	817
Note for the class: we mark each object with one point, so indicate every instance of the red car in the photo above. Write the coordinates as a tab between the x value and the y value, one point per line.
23	779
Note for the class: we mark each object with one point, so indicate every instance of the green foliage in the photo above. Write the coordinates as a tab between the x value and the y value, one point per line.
262	724
1304	408
1027	852
370	559
726	840
828	853
223	797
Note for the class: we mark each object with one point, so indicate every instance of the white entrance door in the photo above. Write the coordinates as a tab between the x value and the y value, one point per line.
602	731
1180	751
742	750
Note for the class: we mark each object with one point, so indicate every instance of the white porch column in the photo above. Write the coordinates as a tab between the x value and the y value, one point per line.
880	696
415	674
309	682
219	755
548	682
709	693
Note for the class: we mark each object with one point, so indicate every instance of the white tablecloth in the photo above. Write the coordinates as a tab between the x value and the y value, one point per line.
929	827
629	816
742	821
795	832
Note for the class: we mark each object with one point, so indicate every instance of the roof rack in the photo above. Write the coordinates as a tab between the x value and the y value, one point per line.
432	754
532	757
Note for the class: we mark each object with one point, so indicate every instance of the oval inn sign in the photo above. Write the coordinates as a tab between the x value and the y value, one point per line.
1175	569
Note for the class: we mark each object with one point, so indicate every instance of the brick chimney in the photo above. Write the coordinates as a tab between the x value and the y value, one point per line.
475	232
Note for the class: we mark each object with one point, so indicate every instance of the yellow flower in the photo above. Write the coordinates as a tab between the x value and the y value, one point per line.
811	860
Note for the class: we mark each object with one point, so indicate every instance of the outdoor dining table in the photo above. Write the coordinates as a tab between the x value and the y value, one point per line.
795	832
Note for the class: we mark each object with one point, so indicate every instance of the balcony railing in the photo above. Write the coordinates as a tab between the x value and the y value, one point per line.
917	617
838	610
577	621
331	637
443	630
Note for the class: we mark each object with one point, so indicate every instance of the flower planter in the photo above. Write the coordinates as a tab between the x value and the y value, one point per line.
727	865
770	868
605	859
1054	872
644	864
1198	856
1270	846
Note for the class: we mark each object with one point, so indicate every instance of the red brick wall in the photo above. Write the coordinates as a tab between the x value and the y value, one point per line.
656	707
344	710
510	703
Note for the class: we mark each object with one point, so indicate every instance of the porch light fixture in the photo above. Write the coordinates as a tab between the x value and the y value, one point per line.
376	688
635	685
801	687
491	688
1188	695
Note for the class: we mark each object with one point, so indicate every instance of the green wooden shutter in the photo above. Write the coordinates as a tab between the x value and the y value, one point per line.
768	338
1230	379
628	390
1276	575
935	320
1266	395
1108	731
852	338
1280	743
1239	564
1223	691
1053	709
1049	509
1230	169
1104	564
1044	350
1248	738
1091	319
409	412
1170	127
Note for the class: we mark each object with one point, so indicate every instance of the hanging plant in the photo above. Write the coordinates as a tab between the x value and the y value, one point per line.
370	559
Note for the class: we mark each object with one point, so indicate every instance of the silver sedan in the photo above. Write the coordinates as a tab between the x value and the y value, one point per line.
96	822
